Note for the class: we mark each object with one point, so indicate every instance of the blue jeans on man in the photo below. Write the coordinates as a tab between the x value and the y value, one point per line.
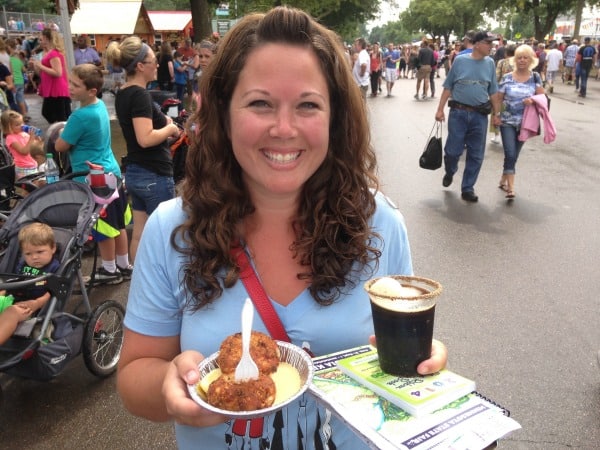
465	129
585	73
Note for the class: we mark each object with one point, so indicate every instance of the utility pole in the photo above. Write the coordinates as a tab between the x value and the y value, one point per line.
68	38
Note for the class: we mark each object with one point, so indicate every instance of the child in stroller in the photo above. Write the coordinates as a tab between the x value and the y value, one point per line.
38	246
74	327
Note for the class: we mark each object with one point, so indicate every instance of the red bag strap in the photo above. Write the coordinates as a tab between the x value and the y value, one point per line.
259	297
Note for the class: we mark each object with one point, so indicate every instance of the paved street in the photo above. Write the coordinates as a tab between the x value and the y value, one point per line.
520	311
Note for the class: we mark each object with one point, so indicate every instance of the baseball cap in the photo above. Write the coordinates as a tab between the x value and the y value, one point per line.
484	36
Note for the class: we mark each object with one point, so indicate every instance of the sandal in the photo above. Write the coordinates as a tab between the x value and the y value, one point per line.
503	185
510	194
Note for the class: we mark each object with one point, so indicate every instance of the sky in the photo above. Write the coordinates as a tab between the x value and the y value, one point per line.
390	13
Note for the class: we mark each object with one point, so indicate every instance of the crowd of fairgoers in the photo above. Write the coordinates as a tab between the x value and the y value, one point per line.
407	64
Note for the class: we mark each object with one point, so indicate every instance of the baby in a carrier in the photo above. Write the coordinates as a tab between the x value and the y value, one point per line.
38	247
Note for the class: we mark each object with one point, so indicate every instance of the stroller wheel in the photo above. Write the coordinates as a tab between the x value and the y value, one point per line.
103	338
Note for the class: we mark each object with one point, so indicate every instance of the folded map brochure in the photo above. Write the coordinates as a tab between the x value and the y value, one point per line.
416	395
471	422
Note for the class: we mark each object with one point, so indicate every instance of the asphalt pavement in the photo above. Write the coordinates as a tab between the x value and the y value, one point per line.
520	311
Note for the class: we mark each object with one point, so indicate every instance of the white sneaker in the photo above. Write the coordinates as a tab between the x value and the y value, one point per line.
495	140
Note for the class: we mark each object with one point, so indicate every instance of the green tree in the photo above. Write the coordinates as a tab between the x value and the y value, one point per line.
541	13
202	13
346	17
167	5
519	27
392	32
32	6
442	17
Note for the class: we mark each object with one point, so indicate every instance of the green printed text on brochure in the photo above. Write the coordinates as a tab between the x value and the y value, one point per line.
417	395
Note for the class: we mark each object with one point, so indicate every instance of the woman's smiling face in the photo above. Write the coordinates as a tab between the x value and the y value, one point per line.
279	119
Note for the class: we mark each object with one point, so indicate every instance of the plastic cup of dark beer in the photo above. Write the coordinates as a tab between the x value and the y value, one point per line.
403	315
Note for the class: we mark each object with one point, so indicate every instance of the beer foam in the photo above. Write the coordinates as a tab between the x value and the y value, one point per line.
390	287
387	286
390	294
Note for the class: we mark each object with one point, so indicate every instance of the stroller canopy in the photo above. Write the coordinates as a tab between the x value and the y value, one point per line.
65	204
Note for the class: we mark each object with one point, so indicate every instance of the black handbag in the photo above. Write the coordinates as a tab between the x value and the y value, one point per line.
431	158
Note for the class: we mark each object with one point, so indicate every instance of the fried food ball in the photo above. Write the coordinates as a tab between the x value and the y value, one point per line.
250	395
263	349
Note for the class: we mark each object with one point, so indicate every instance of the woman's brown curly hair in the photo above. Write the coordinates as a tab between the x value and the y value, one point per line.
336	203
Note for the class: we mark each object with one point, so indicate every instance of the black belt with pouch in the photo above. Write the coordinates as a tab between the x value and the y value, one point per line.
484	108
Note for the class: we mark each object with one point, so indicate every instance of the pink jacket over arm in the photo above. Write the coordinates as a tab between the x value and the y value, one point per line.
531	120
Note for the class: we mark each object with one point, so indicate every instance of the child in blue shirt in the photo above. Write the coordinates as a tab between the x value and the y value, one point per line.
87	137
180	77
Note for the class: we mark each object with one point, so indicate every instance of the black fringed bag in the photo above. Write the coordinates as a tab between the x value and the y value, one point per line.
431	158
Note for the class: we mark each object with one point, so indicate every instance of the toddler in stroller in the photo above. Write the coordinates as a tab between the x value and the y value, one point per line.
38	246
43	345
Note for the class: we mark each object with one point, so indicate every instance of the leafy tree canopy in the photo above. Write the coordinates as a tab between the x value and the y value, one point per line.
525	18
346	17
442	17
542	14
167	5
30	6
393	32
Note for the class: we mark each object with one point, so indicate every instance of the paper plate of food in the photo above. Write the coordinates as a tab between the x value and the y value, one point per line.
285	372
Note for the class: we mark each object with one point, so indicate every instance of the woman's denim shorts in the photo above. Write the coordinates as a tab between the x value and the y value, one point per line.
147	189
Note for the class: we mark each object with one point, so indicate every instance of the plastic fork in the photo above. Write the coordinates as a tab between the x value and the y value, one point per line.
246	368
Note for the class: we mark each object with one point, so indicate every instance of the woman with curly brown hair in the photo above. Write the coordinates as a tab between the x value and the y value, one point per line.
281	168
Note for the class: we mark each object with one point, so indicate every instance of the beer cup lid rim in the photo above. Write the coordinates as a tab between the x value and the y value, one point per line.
436	287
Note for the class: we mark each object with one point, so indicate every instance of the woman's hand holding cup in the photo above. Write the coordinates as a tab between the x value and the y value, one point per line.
436	362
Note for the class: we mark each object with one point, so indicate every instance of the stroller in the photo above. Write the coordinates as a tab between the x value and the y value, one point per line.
62	160
179	146
43	345
179	149
8	194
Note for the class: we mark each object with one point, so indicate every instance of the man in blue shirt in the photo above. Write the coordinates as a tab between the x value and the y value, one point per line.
84	53
588	59
391	57
473	87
